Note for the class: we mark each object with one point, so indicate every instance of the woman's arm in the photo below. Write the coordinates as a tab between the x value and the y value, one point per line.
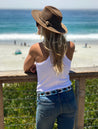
29	61
70	51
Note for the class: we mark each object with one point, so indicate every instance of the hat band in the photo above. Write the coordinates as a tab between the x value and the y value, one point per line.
49	24
46	22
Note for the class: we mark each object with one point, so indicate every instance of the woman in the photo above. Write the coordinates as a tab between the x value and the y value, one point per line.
55	97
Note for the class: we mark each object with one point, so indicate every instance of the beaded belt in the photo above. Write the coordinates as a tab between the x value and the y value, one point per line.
53	92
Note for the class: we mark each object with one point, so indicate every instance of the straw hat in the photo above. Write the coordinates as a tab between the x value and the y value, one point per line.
50	18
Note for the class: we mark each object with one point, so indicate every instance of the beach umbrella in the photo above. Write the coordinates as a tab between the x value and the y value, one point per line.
18	51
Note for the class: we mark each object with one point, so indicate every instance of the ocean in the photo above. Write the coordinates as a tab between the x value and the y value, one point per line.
20	25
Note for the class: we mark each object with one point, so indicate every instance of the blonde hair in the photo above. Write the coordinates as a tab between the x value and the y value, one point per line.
56	44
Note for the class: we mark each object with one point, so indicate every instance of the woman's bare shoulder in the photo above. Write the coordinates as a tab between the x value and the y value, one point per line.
71	46
34	48
35	45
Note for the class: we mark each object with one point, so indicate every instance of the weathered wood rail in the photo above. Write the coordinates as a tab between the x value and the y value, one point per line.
78	74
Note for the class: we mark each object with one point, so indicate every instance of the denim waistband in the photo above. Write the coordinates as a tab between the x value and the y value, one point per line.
53	92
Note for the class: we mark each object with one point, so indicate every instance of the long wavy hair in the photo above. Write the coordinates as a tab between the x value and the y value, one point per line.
56	44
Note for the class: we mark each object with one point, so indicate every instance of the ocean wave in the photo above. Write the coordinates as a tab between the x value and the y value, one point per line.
83	36
38	37
20	37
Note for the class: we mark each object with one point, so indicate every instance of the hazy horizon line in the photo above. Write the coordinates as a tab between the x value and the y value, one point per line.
42	8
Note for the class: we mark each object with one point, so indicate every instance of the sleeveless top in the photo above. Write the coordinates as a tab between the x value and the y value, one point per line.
47	78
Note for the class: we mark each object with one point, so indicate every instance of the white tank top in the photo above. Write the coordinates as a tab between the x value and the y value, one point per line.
47	78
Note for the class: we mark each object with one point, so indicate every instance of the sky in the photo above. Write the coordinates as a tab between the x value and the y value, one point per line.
39	4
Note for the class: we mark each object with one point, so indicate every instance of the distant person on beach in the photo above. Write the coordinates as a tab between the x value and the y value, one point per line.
52	61
85	45
14	42
24	43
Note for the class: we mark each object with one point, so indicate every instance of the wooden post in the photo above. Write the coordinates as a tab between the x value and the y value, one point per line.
1	108
80	98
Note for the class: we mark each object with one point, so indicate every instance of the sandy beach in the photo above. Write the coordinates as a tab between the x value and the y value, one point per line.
83	56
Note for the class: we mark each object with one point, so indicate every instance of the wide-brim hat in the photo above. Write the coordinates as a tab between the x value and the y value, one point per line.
50	18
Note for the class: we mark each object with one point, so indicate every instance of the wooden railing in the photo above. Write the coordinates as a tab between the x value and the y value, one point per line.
78	74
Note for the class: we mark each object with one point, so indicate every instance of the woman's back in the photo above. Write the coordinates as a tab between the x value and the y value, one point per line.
47	78
41	53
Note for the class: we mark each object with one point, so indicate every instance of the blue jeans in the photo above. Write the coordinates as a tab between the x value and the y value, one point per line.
61	107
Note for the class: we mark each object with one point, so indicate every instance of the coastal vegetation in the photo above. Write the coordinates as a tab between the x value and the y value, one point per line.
20	105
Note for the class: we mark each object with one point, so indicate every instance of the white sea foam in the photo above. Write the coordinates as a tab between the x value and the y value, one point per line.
38	37
19	36
83	36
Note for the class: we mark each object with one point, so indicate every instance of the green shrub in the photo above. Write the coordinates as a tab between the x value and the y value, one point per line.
20	105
